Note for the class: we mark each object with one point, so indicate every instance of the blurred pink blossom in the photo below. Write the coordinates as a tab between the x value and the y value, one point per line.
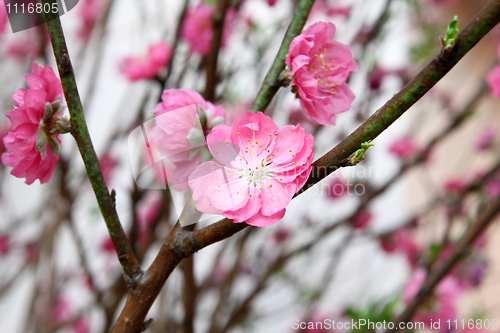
4	130
178	135
455	185
492	188
441	305
271	2
401	241
107	245
404	148
24	45
320	67
258	170
331	8
336	188
147	66
61	311
486	137
88	12
198	28
108	165
81	325
3	18
361	220
33	148
147	211
4	244
493	78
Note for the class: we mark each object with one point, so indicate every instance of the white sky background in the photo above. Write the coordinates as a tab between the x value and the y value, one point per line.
362	275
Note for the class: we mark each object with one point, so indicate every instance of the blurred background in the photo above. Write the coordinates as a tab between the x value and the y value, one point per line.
356	245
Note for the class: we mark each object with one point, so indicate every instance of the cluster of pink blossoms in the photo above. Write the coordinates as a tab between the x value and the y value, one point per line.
147	66
33	143
197	29
257	171
320	67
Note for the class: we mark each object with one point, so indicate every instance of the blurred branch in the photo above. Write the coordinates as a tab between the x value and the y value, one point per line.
409	95
218	19
460	251
271	83
80	132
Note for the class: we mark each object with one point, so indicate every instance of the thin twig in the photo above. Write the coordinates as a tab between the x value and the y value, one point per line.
81	134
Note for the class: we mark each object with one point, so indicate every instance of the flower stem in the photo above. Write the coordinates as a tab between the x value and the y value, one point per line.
80	132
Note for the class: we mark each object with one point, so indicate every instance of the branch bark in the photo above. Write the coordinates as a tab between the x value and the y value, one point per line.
80	132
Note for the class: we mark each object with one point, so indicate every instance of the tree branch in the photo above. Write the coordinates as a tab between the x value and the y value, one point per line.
409	95
81	134
218	19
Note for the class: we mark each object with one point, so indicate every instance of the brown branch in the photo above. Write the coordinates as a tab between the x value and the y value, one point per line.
218	19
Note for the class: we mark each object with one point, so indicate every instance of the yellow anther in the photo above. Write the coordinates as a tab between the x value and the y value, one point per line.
290	150
250	195
270	185
248	140
238	133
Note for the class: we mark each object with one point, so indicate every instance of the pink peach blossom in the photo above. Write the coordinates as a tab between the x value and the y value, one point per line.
33	146
404	148
258	170
198	28
88	12
182	120
441	305
486	137
147	66
320	67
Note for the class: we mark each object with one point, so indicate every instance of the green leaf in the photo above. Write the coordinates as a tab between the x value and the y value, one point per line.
358	154
451	33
